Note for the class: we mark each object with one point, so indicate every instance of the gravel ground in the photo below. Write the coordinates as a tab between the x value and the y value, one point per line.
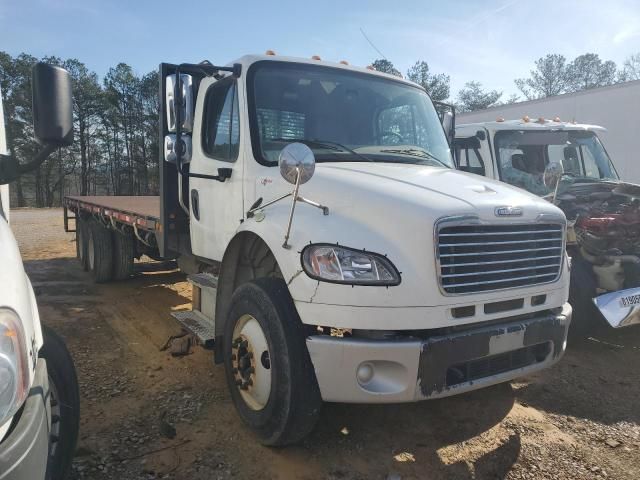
147	415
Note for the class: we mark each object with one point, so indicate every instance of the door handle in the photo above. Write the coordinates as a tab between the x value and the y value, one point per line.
195	204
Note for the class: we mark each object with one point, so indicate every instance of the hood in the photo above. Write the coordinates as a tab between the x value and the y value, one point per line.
442	191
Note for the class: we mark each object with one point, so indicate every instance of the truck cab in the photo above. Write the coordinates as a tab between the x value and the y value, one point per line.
603	212
39	401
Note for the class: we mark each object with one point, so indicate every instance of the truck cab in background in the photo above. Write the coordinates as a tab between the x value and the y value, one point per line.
39	402
603	212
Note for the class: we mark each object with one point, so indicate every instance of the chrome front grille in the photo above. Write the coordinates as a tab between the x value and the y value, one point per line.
481	258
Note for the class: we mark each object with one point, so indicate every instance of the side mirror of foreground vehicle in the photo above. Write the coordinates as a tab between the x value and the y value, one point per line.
52	119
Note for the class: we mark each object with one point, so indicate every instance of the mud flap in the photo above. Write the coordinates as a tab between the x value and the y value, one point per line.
621	308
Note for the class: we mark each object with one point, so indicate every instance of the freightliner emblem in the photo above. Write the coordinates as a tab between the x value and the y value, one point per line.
508	211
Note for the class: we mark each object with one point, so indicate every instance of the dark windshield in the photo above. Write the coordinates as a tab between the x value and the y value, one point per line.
523	156
342	116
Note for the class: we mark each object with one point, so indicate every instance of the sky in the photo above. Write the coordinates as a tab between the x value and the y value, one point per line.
491	41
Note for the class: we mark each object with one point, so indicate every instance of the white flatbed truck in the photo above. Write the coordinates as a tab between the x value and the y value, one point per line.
339	255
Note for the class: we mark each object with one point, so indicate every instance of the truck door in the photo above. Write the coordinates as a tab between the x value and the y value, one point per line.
216	208
473	152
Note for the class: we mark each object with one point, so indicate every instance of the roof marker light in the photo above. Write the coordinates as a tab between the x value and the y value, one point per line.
344	62
270	52
370	67
541	120
500	119
557	119
316	57
525	119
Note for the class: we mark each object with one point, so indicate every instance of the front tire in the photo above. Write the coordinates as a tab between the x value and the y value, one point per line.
586	319
269	372
64	399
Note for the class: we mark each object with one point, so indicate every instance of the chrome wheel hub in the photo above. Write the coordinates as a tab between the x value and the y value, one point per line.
251	362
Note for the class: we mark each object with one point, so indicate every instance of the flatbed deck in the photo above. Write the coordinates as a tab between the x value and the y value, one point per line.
143	212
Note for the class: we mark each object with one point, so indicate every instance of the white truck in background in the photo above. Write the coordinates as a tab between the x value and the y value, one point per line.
615	106
39	401
341	257
603	212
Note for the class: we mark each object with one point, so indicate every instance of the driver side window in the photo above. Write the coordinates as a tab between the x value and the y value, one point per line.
220	128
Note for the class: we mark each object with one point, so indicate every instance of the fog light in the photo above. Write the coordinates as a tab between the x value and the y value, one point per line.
364	373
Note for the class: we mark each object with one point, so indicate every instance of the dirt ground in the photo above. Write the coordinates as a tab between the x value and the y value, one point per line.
580	419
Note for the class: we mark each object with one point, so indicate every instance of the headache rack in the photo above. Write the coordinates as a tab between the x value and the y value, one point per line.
481	258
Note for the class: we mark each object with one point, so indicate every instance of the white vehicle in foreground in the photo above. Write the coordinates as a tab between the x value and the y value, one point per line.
39	402
382	275
603	212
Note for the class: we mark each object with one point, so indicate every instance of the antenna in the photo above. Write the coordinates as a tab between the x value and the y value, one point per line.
371	43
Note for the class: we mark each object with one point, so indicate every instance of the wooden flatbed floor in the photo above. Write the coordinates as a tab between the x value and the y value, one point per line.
141	211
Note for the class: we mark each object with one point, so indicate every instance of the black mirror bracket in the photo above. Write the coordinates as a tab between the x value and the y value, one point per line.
10	169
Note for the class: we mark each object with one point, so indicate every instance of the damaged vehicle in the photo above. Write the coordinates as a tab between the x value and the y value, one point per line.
567	164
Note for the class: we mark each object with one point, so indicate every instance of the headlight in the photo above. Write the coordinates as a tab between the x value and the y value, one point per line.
332	263
14	371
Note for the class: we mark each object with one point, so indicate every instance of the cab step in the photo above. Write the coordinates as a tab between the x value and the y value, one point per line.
203	280
199	325
200	320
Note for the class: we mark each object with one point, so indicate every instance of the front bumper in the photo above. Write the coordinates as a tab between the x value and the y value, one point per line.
356	370
621	308
24	452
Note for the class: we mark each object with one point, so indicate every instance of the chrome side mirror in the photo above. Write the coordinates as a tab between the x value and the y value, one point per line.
296	159
170	148
297	165
187	99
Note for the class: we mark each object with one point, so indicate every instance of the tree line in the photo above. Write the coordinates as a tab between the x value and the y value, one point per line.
115	119
115	150
552	75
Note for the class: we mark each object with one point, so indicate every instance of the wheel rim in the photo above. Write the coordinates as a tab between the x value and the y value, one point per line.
54	403
251	362
90	252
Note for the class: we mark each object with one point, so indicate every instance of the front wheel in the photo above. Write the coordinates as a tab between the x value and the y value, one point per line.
64	400
269	372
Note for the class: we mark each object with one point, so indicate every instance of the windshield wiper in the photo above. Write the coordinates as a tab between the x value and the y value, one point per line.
328	144
415	152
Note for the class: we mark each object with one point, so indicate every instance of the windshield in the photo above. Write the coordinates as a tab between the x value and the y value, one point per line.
342	116
523	156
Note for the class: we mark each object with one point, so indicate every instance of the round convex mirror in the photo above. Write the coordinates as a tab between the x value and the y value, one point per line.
296	156
552	174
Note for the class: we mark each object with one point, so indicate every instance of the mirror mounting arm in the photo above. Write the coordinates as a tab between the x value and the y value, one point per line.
10	169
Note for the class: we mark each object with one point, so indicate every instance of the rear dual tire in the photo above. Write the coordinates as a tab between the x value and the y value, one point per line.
105	253
82	237
100	253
